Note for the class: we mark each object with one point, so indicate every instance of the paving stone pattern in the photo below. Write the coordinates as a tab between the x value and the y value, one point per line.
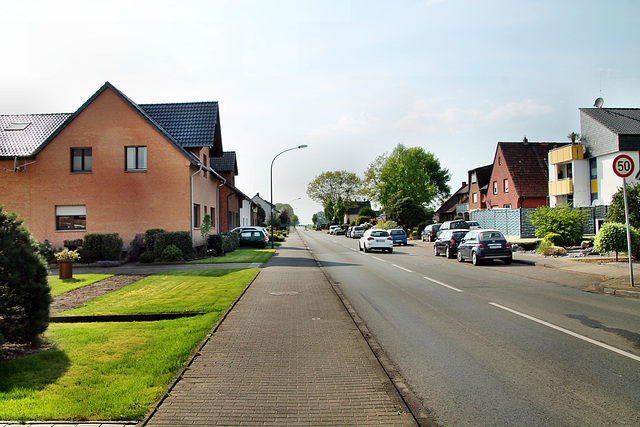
287	354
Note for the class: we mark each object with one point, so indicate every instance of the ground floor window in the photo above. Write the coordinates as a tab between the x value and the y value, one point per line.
196	215
71	218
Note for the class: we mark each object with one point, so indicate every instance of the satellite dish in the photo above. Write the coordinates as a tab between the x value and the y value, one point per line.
596	202
599	103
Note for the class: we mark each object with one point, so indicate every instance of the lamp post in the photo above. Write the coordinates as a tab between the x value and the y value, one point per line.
271	183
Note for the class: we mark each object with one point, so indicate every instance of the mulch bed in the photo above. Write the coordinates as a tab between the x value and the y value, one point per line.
67	301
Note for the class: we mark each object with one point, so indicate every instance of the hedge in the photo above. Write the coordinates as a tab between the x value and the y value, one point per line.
101	247
181	239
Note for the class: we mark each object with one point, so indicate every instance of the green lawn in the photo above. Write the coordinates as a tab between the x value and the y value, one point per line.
240	255
115	371
61	286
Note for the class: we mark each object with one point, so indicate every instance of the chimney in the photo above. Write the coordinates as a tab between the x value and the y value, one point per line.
464	183
525	140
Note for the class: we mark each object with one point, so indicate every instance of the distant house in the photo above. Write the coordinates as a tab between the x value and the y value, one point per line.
455	207
479	179
520	175
352	213
582	174
113	166
268	207
236	208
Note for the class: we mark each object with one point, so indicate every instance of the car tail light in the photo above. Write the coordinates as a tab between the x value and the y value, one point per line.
452	242
480	246
370	238
389	238
508	245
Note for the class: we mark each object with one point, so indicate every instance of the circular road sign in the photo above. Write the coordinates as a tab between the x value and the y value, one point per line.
623	166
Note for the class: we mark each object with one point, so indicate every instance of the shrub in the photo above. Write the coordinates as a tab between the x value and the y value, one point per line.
205	227
214	245
103	246
230	241
565	221
555	239
180	239
72	245
46	250
171	253
150	238
24	292
612	237
362	220
147	257
422	225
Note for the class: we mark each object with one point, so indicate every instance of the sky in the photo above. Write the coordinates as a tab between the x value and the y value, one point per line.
350	79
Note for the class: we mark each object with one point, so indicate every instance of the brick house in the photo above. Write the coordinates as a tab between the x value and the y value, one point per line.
237	209
455	207
519	177
479	179
112	166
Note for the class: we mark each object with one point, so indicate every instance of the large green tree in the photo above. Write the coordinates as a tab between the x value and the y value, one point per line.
329	186
405	211
413	171
616	210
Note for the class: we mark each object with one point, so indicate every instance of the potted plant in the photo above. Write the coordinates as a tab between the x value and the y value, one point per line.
65	260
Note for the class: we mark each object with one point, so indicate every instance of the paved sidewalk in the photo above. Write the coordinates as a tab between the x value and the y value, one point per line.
287	354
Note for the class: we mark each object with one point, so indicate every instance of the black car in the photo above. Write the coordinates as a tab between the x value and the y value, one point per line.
447	242
430	232
458	224
481	245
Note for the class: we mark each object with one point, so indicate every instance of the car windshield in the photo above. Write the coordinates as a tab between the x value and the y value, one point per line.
379	233
458	235
491	235
397	232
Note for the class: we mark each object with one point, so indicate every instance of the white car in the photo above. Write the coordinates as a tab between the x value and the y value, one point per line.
473	225
357	232
376	238
333	228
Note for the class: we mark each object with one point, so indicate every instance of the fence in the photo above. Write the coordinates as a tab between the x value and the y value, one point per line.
516	223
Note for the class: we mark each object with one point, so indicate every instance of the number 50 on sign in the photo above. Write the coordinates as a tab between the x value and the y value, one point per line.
623	166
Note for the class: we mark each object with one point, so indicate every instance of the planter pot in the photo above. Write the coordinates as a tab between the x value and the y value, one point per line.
66	269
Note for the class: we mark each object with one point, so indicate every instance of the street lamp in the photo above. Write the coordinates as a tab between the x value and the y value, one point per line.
271	183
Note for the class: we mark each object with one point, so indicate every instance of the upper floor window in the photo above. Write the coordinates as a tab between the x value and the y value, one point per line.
495	187
135	158
506	185
204	162
81	160
474	178
475	198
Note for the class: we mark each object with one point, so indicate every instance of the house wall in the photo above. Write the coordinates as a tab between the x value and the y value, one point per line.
499	174
116	201
474	188
205	194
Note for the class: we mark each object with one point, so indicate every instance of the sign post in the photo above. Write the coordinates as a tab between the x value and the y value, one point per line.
623	166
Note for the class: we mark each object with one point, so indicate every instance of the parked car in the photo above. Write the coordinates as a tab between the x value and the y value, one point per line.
430	232
256	238
484	245
398	236
459	224
333	228
376	238
473	225
250	227
447	242
357	232
348	232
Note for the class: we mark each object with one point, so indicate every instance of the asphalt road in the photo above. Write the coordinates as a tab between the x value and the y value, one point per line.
497	344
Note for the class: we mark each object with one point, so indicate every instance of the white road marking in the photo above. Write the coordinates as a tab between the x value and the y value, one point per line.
568	332
402	268
443	284
379	259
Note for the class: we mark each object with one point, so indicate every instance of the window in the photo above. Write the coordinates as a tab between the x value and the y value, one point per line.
81	160
507	206
474	178
17	126
475	197
506	185
495	187
204	162
196	215
499	161
71	218
135	158
213	217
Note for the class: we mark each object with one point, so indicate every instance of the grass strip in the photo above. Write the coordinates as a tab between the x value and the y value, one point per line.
239	255
60	286
172	292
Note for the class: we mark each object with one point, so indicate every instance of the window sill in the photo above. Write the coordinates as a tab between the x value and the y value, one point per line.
84	230
81	172
135	170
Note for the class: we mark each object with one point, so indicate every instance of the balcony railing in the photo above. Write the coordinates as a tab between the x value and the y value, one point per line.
462	208
561	187
566	154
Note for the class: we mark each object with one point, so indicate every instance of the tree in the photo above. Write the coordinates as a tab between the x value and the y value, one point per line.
573	136
284	217
329	211
285	206
413	171
329	186
294	220
612	237
405	211
314	219
368	212
262	215
24	292
205	227
616	210
340	209
563	220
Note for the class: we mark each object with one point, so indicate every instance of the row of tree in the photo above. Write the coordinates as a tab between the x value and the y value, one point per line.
405	183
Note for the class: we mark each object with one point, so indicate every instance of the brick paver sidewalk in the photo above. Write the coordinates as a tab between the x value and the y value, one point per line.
287	354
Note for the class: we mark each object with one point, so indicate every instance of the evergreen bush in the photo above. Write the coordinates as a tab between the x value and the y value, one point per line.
105	247
214	245
230	241
147	257
555	239
565	221
612	237
24	292
150	238
171	253
180	239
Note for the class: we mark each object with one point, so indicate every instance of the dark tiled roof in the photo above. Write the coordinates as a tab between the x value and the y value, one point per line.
23	143
483	175
191	124
623	121
528	166
226	163
450	204
356	210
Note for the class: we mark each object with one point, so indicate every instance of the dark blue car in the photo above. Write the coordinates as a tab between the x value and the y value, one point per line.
399	236
484	245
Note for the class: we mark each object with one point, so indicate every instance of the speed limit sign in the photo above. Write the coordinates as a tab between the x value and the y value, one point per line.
623	166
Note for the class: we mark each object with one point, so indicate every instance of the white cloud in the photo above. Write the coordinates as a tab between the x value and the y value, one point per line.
363	123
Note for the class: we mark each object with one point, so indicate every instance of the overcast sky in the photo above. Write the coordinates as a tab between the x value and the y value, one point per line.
351	79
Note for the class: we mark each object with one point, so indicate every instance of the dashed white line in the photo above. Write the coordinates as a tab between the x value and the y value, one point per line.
379	259
402	268
443	284
568	332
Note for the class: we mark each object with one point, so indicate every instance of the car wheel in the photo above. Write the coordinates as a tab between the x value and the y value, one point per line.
365	248
435	250
474	258
359	247
447	252
391	250
262	245
459	256
508	260
423	238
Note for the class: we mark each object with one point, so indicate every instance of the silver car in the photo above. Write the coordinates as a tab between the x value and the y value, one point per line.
376	238
357	232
